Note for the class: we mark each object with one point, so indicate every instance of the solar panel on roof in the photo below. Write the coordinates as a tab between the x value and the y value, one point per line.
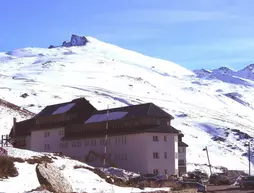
63	109
116	115
104	117
92	119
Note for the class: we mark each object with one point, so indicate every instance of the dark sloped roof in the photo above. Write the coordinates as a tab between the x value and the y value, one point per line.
80	107
162	129
182	144
75	105
71	134
23	127
146	109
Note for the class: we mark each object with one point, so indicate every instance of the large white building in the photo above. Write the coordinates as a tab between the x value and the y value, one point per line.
137	138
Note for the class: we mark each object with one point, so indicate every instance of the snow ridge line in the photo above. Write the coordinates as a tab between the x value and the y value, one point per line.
16	108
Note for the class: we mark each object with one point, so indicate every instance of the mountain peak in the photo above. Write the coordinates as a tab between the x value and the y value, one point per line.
75	41
223	70
249	67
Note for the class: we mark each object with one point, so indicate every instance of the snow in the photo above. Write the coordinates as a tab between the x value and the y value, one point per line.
25	181
6	118
108	75
82	180
24	154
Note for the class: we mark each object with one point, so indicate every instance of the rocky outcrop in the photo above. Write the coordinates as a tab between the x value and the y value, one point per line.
75	41
51	177
51	46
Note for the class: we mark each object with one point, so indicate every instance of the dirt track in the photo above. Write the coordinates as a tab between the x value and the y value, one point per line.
228	189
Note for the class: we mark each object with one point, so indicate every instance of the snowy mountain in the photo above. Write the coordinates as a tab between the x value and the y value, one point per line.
247	72
212	108
228	75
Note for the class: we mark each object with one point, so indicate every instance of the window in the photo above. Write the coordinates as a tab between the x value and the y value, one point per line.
93	142
168	122
86	142
166	171
181	150
181	162
155	171
61	132
155	138
64	145
165	138
165	155
156	155
46	134
46	146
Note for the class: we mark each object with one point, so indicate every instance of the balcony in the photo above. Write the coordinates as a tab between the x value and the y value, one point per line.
182	163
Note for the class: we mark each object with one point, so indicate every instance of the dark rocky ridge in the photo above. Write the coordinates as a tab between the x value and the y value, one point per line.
75	41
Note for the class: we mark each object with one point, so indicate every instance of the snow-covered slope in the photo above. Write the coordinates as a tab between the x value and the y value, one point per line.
212	109
7	112
81	179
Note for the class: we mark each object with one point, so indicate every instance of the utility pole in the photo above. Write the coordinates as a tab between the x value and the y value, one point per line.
106	139
209	164
249	158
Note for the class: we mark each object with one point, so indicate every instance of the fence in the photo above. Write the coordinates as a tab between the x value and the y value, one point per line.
3	152
4	142
16	108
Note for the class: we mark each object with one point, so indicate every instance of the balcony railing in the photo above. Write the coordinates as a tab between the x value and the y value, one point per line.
181	163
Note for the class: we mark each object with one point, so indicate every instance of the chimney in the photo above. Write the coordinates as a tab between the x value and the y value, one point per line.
14	126
180	136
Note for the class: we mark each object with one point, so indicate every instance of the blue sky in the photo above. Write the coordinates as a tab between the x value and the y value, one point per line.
193	33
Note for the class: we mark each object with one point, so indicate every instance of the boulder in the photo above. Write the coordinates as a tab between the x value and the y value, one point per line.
24	95
51	177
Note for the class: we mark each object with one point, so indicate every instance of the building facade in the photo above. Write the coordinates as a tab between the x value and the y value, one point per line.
182	161
137	138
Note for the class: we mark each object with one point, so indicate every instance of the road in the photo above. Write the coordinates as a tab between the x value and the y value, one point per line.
227	189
